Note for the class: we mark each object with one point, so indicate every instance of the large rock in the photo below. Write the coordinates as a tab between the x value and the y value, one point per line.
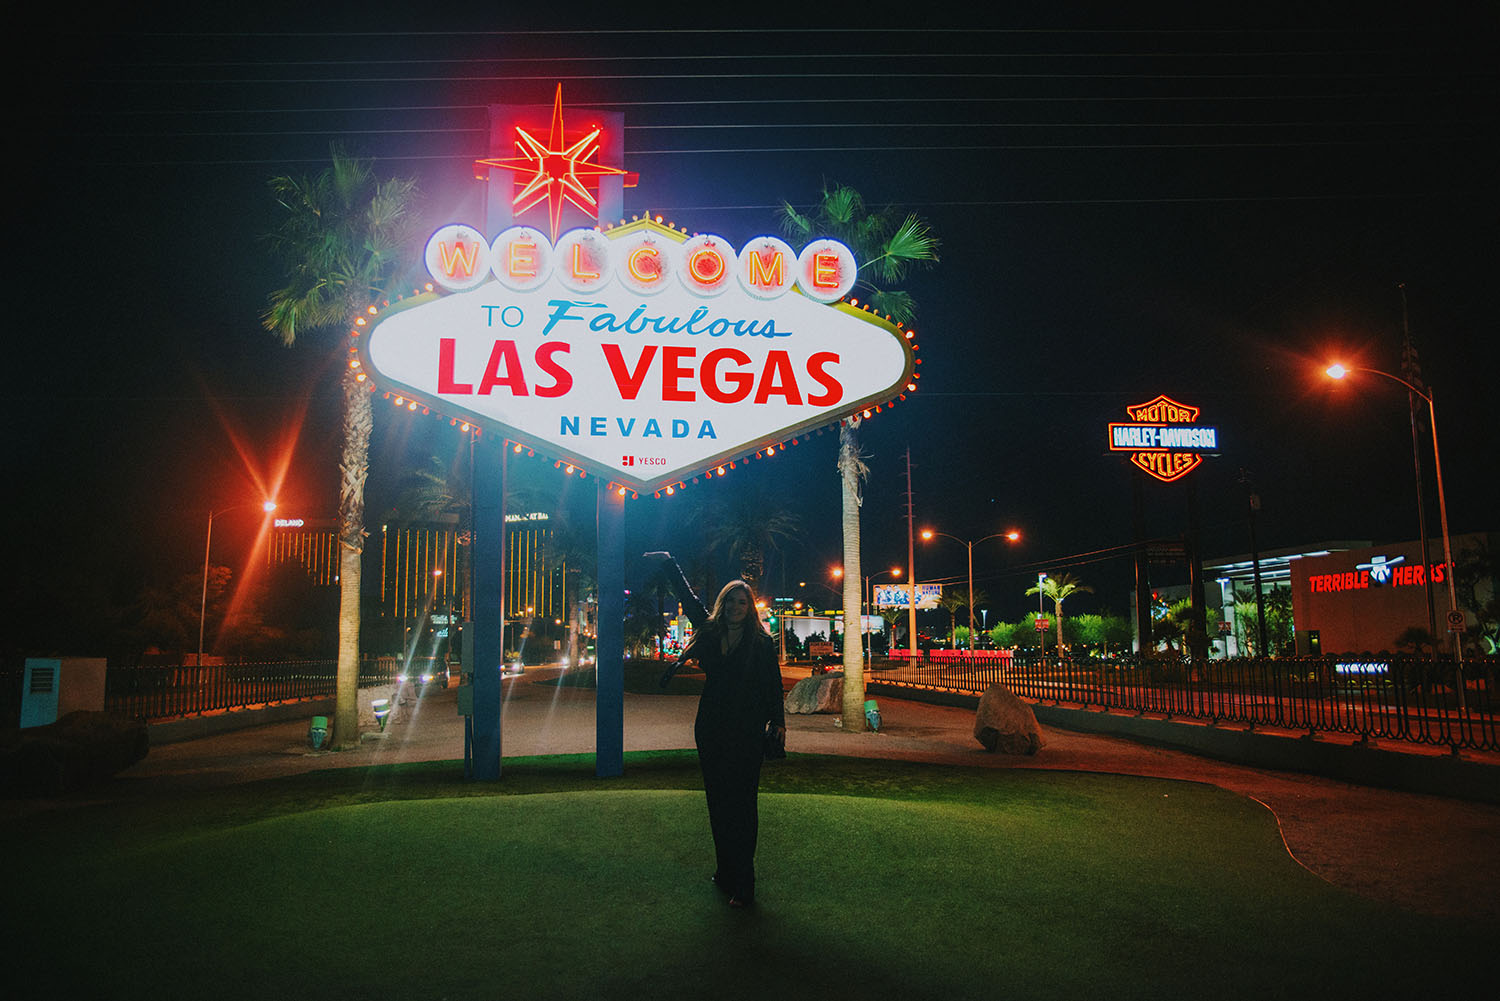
822	693
1006	724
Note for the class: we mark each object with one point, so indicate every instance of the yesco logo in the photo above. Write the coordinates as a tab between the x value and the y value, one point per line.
585	260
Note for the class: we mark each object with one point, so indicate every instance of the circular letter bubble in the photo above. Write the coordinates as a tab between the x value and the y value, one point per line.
645	262
583	260
457	257
826	270
521	258
767	267
708	265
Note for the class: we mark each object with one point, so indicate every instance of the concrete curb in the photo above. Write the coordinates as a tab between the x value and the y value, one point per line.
174	730
1360	764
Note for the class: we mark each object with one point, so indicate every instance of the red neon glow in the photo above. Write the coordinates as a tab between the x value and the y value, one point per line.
825	270
464	255
766	274
706	266
1163	410
555	171
645	271
1165	466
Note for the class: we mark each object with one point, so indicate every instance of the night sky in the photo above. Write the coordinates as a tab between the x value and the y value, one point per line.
1125	209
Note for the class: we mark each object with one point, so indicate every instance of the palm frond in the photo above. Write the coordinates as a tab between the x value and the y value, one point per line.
793	223
898	305
342	238
842	206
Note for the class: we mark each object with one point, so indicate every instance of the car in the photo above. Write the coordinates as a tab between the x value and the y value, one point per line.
423	675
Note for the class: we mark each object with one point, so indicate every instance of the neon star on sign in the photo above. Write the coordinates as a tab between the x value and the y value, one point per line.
1164	438
638	352
555	171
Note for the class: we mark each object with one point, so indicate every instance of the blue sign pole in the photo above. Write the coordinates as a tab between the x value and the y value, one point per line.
489	605
609	645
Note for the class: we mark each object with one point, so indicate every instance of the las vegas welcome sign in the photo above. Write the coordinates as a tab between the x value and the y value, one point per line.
638	352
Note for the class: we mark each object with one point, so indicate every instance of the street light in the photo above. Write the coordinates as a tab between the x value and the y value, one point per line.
267	507
1011	536
895	574
1337	371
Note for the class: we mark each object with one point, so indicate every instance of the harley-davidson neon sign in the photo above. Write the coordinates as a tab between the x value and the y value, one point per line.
1164	438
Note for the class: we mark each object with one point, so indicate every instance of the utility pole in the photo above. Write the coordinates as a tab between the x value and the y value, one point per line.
1252	506
1412	370
911	567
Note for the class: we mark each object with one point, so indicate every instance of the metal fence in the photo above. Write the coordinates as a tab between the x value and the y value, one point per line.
1395	698
154	693
170	692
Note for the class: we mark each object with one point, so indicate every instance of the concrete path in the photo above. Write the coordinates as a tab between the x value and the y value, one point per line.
1426	853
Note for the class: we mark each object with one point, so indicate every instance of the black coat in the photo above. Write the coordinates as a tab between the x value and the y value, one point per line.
742	688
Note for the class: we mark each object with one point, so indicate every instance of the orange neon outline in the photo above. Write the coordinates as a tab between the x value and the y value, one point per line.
630	262
1136	408
469	260
578	263
1141	460
824	266
697	255
528	256
772	278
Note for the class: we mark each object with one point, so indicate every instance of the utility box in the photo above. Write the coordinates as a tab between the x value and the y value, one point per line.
54	687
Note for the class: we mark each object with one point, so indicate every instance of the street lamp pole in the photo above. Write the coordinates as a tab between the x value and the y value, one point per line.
1013	536
1338	372
208	541
895	573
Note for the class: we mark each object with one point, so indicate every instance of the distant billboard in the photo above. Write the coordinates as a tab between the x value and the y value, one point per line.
895	595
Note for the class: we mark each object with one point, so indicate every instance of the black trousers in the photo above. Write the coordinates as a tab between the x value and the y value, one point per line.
731	780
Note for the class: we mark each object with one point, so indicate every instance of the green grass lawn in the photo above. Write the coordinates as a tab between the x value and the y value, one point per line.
878	878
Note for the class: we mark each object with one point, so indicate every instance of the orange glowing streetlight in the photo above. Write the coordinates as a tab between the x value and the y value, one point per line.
1338	371
266	506
895	574
1011	536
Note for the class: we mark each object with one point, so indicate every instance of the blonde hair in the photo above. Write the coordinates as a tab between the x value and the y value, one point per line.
720	615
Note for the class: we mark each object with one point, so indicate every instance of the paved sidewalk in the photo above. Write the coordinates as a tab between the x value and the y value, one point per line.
1427	853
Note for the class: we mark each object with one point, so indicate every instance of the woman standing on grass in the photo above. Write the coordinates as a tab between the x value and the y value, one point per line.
741	702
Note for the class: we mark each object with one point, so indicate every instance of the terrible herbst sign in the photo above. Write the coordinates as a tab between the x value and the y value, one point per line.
638	351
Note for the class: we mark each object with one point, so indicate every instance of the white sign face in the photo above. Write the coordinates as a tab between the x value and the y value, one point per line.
647	378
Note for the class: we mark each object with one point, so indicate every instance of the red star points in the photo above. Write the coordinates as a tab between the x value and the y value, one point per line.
554	171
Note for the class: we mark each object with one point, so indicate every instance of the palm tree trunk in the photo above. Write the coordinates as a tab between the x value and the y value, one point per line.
354	467
850	471
1059	628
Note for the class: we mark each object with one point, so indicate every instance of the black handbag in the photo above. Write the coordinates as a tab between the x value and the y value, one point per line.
775	742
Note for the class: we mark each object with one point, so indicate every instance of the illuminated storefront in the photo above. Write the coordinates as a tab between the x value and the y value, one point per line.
1375	598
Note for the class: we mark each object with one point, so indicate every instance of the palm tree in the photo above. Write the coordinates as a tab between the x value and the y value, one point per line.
886	248
951	602
1058	589
343	238
748	525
